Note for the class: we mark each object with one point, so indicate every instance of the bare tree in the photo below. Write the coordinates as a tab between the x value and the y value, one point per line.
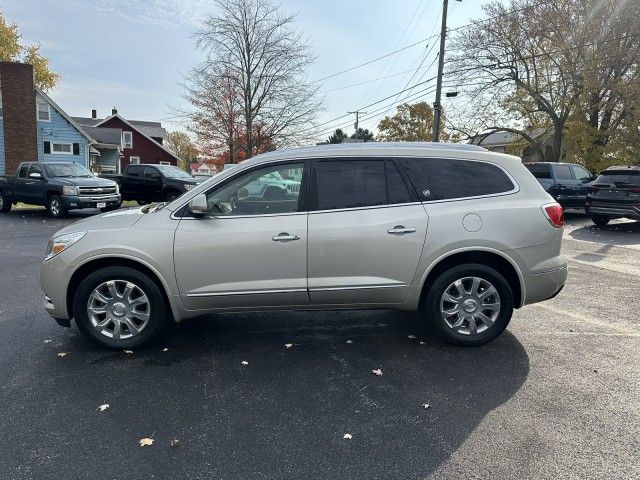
254	47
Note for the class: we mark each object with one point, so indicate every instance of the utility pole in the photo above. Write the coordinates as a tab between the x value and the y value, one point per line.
357	112
437	107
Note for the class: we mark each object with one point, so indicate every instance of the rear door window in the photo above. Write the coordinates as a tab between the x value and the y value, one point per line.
446	179
563	172
540	171
350	184
134	171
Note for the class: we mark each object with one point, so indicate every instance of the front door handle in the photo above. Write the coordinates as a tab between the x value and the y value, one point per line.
400	229
284	237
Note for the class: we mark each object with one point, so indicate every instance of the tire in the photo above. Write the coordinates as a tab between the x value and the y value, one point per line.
600	220
121	278
5	202
171	195
444	326
55	207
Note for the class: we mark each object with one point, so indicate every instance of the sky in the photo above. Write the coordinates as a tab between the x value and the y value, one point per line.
134	54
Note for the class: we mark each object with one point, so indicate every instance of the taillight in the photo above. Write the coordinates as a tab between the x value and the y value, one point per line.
555	214
635	189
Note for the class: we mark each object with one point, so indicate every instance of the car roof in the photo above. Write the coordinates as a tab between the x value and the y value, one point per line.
554	163
632	168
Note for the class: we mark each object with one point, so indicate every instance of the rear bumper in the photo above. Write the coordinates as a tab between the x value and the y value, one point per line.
613	210
76	201
542	286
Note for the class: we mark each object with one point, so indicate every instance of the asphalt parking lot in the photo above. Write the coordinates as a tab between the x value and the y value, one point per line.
556	396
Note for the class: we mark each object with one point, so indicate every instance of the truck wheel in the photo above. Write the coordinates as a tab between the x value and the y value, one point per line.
171	195
55	207
5	202
119	308
469	305
600	220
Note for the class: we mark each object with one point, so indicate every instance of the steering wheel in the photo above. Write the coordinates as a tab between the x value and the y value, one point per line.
233	201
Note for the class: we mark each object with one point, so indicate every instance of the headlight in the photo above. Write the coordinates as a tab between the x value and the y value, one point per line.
70	190
188	186
60	244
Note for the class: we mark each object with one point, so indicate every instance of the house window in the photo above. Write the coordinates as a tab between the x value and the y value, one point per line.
127	140
44	112
134	160
164	163
62	148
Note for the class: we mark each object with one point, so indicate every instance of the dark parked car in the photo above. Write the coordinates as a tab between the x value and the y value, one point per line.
614	194
59	187
567	183
153	183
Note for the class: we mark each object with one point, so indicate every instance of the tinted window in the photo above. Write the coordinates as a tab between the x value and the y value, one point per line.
539	170
563	172
581	173
23	171
134	171
150	171
442	179
259	192
351	183
36	169
622	177
397	191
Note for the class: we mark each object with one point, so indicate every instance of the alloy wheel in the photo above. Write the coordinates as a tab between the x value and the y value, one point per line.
118	309
470	305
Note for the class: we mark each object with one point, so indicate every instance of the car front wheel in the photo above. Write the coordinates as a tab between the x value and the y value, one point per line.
55	207
469	305
5	203
120	308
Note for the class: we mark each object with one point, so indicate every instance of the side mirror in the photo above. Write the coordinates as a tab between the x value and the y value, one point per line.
36	175
198	205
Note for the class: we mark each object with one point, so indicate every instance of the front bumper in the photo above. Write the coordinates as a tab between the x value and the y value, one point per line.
77	201
54	279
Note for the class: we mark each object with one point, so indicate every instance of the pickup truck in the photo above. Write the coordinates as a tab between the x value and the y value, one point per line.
567	183
147	183
59	186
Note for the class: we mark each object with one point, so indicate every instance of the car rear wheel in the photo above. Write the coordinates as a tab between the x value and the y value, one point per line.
55	207
120	308
469	305
600	220
5	203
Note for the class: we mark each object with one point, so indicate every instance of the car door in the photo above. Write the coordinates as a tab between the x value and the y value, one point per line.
567	188
131	183
366	232
152	184
249	250
22	183
37	187
583	178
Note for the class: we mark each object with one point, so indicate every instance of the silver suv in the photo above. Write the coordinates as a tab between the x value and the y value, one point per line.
455	232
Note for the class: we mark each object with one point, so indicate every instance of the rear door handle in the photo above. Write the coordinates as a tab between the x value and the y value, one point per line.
400	229
284	237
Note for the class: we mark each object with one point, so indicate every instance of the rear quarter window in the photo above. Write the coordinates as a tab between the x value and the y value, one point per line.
447	179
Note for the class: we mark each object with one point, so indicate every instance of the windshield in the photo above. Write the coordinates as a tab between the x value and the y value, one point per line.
173	172
67	170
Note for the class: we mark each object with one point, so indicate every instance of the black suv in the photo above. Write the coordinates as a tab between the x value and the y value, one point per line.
152	183
614	194
567	183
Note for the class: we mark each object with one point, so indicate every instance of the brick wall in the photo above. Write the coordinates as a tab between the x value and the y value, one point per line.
19	114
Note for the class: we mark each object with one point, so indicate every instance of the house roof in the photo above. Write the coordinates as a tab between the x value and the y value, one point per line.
150	129
104	135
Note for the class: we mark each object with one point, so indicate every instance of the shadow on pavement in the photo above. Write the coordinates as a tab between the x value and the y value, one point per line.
281	416
615	233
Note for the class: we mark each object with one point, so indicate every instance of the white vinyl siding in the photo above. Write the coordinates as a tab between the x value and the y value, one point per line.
62	148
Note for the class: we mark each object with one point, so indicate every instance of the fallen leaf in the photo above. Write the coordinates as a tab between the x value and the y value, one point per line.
349	342
244	362
426	405
62	354
165	349
347	436
377	372
174	442
103	407
128	352
48	340
288	345
411	336
144	442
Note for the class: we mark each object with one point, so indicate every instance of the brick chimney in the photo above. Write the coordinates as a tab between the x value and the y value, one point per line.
19	114
114	111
